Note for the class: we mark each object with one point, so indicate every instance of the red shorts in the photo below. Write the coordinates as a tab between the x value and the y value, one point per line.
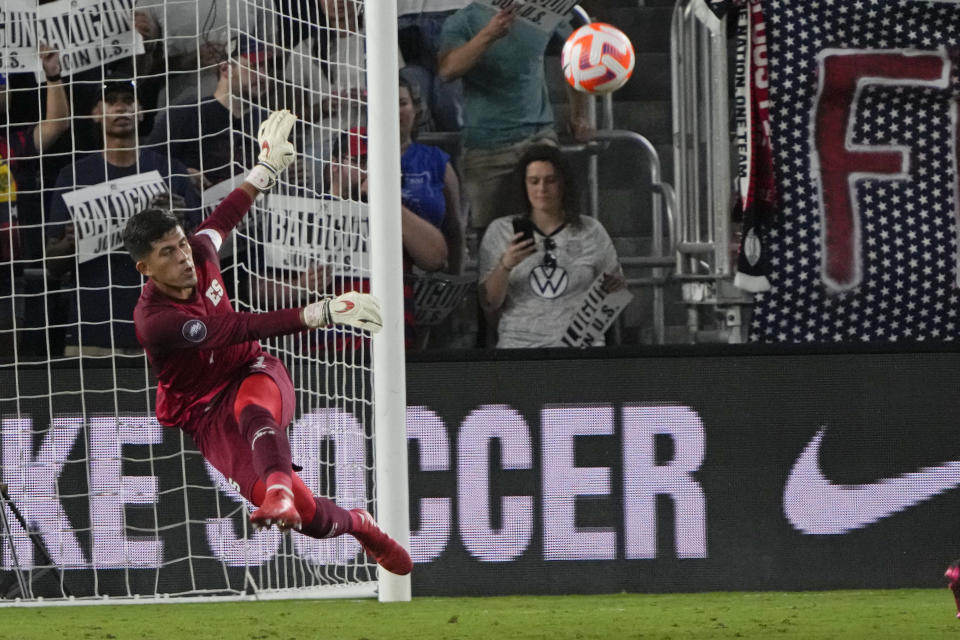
217	434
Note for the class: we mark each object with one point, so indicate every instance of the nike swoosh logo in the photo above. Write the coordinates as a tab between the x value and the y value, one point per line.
816	506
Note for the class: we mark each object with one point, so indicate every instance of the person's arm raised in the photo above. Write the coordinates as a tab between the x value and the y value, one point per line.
453	63
57	118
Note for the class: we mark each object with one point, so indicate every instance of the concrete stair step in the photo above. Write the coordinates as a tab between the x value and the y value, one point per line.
647	27
652	119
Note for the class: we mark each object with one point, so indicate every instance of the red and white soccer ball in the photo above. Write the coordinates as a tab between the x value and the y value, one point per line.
597	58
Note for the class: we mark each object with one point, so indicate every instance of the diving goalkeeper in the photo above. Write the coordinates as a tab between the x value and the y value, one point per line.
216	382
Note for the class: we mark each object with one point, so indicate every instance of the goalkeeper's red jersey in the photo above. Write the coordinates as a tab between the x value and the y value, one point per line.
199	345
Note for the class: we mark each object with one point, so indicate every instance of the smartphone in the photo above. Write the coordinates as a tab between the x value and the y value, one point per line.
525	226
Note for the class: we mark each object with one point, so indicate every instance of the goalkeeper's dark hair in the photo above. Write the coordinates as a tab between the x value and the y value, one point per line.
145	228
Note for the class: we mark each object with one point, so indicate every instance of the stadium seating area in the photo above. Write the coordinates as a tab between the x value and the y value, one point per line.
42	318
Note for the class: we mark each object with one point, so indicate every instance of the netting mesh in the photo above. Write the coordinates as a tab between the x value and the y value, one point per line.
114	504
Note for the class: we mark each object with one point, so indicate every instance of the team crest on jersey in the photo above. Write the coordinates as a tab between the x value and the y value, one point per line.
215	292
194	330
549	282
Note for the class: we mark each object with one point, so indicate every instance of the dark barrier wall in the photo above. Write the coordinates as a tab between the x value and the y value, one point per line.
576	475
689	473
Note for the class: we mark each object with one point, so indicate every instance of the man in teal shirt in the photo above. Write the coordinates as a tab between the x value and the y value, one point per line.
506	103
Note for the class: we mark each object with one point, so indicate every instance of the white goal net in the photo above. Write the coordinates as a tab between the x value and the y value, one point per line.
100	501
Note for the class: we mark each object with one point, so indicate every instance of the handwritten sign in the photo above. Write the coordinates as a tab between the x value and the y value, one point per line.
596	314
100	211
542	14
87	33
299	232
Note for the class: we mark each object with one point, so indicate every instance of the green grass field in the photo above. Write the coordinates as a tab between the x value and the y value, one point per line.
902	614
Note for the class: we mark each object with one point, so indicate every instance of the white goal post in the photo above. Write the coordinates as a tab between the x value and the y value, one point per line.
100	503
389	364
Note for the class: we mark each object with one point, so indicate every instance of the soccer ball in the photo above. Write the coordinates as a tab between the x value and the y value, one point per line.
597	58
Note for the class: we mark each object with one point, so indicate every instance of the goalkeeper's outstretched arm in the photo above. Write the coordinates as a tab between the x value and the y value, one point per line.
171	329
276	154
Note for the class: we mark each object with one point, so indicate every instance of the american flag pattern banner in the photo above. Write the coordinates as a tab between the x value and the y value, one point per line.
863	246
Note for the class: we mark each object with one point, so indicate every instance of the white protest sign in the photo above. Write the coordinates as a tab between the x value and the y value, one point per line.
18	43
435	296
542	14
87	33
99	212
596	313
299	232
212	197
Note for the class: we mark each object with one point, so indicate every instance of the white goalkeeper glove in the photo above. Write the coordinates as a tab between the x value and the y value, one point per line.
276	152
360	310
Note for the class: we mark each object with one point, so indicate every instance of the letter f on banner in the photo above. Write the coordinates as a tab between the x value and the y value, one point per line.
838	164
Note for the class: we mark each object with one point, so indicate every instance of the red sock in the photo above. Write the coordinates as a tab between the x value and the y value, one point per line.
271	449
329	521
257	409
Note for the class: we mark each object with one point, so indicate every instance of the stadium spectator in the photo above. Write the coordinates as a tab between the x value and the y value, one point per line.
324	78
419	23
346	195
506	103
20	210
429	185
191	38
217	383
107	286
535	285
423	243
209	138
430	188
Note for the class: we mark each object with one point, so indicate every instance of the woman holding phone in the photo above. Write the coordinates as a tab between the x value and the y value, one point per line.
535	267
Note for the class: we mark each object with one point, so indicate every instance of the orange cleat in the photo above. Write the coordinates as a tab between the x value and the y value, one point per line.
277	509
386	551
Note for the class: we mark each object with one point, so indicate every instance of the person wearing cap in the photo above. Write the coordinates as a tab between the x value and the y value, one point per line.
20	194
200	134
107	285
190	36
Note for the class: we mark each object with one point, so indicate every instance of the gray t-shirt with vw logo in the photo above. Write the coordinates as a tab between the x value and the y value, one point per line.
542	298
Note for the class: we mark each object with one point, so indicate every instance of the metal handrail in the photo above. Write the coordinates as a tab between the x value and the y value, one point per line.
704	167
701	139
663	199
